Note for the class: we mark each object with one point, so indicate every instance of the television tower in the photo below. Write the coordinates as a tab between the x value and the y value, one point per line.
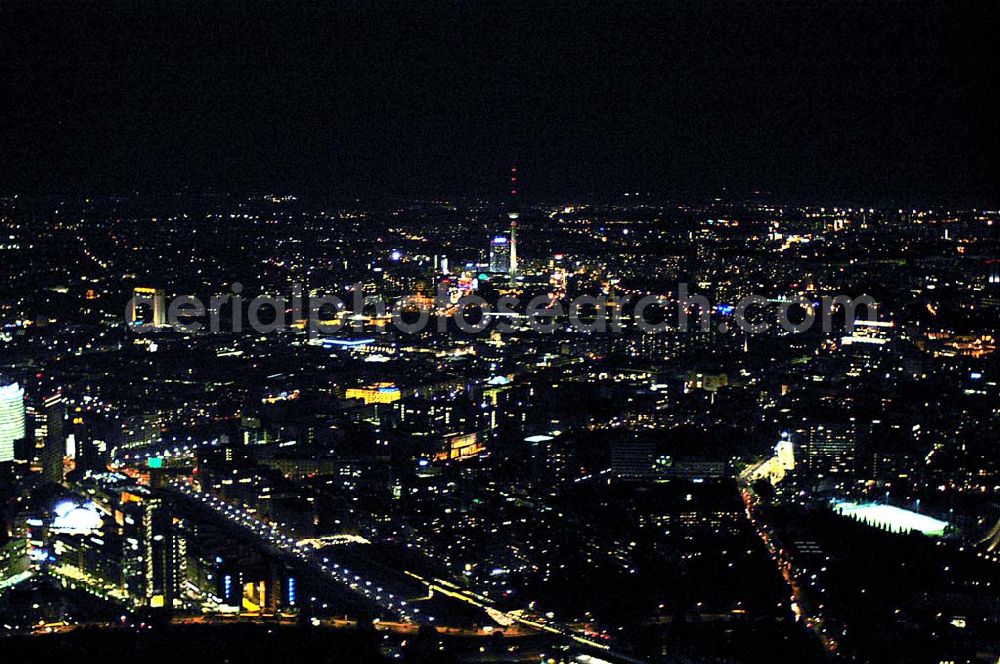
513	213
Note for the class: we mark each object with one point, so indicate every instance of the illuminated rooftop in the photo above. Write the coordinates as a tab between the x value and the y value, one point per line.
76	519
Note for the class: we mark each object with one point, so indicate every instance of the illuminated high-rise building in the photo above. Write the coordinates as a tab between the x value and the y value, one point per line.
148	307
500	254
831	448
634	459
155	552
11	419
54	449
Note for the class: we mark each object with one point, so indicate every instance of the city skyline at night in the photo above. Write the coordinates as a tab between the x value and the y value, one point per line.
464	332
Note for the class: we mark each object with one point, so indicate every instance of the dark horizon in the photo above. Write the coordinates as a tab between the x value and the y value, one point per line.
816	103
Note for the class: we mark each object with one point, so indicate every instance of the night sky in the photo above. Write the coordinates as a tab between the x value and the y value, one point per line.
813	101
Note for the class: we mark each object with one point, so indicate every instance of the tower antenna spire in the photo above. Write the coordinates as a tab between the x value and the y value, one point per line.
513	212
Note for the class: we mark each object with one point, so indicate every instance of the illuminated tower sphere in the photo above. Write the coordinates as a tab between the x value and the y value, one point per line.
11	419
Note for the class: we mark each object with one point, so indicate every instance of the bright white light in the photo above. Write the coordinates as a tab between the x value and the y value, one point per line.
76	519
891	518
